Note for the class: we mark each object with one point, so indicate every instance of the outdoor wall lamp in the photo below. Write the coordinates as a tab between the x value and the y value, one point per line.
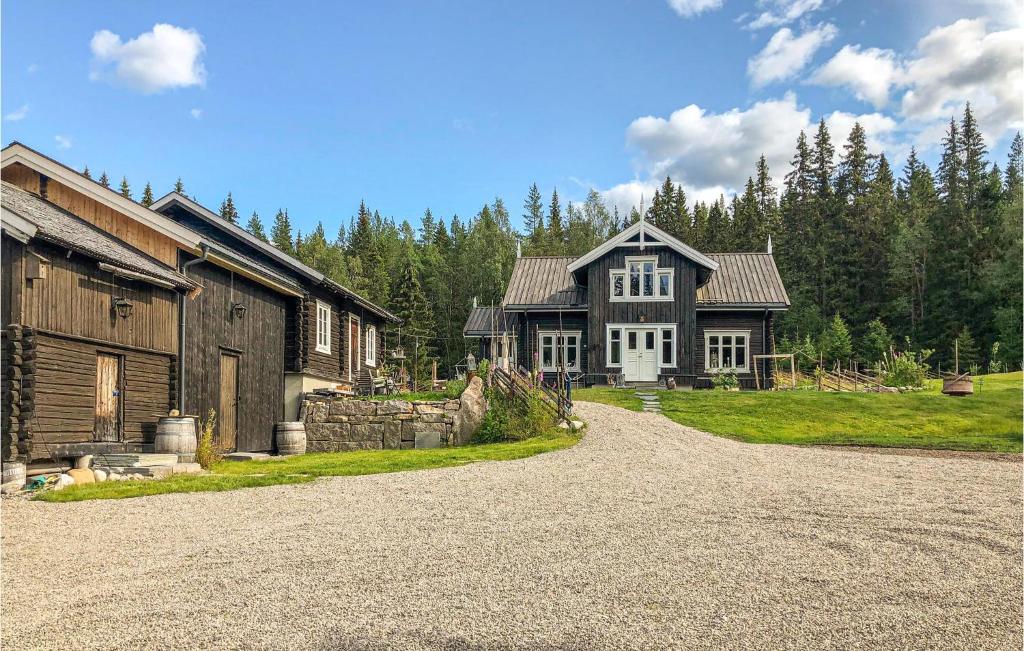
123	307
238	311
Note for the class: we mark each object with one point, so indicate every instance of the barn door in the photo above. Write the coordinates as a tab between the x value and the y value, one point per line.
108	398
227	417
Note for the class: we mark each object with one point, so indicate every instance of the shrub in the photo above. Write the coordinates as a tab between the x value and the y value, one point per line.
510	419
207	453
835	343
903	370
454	388
725	380
875	343
995	364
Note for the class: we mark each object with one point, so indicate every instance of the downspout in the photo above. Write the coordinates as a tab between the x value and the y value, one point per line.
205	248
764	342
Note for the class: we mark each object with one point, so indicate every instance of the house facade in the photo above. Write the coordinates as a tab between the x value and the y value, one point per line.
644	307
114	314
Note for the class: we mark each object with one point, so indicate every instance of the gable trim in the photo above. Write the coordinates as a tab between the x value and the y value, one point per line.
19	153
643	228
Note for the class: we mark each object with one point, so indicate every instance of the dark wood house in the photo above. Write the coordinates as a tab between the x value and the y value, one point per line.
644	307
300	332
497	332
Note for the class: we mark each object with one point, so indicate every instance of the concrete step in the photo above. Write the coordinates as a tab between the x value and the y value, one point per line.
134	460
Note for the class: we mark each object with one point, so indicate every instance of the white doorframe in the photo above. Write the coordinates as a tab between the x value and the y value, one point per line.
640	354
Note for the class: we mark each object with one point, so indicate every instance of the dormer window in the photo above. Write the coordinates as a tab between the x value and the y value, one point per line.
642	280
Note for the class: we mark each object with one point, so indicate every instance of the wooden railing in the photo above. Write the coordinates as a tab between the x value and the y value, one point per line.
518	385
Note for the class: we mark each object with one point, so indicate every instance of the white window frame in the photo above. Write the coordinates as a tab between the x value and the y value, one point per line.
658	329
708	334
371	346
565	348
656	286
323	327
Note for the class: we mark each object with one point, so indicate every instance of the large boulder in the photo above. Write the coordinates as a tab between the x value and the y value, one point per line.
470	416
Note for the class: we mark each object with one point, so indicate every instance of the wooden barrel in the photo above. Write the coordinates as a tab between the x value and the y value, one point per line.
14	472
959	386
291	437
175	435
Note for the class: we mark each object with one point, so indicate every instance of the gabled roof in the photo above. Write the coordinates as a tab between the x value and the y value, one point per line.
744	280
55	225
645	231
483	321
19	153
543	282
238	233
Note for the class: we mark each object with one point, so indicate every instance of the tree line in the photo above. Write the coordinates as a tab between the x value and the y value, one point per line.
871	262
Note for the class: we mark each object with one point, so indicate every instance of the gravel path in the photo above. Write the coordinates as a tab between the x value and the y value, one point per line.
645	535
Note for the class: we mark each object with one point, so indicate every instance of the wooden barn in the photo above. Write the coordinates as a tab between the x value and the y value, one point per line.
90	303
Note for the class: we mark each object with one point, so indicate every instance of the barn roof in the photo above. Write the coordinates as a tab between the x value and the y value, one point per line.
484	320
58	226
542	282
743	280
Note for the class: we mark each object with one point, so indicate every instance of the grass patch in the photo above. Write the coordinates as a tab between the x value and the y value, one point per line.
617	397
990	420
229	475
116	490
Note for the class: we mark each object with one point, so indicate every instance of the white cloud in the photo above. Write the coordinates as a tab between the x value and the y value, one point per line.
783	12
787	54
196	113
868	73
690	8
32	68
963	62
166	57
954	64
712	154
63	142
17	114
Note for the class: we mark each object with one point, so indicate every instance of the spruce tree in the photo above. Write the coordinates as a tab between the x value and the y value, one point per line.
228	210
410	304
147	195
104	181
533	221
255	226
1014	177
556	230
179	187
281	233
125	190
88	175
427	227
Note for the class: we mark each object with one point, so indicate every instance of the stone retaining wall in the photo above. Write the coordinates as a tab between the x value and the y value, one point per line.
340	424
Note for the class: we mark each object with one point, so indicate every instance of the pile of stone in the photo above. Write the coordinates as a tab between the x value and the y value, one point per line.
108	467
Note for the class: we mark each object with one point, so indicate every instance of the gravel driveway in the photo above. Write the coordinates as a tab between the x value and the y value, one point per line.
645	535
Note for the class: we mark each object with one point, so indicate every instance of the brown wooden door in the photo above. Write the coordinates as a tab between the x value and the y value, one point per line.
354	352
227	419
108	398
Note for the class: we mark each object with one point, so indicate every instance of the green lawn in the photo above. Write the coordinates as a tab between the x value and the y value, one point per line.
624	398
228	475
990	420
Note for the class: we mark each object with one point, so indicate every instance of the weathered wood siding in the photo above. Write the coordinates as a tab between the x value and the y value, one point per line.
258	339
112	221
65	393
680	311
760	343
333	365
76	298
11	280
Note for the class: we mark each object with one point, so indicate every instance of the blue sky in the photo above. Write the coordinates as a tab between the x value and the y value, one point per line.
314	106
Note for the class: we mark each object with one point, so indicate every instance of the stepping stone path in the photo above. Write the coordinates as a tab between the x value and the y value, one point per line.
650	402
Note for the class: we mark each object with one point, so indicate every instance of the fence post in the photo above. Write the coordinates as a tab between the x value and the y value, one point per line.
568	395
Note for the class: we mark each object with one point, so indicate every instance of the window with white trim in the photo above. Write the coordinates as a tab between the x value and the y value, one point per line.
641	280
371	346
726	350
615	347
323	328
668	345
554	350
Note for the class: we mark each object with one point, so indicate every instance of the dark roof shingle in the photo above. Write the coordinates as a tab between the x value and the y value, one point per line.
481	322
544	281
58	226
744	279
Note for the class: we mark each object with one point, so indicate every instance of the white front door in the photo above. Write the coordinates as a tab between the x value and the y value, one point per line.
640	363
